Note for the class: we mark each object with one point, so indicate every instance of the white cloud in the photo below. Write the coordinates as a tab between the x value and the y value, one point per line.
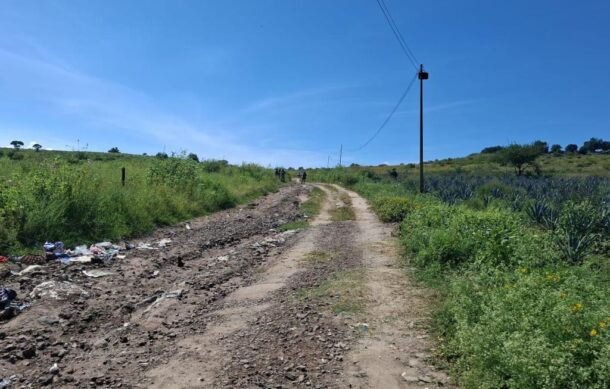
99	101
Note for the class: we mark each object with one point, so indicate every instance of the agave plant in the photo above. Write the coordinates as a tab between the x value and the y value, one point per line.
576	231
537	211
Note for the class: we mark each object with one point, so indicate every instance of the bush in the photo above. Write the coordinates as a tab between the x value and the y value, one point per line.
14	155
82	203
393	209
545	328
458	237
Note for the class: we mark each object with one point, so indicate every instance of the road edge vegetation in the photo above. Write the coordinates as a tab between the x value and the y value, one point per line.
524	279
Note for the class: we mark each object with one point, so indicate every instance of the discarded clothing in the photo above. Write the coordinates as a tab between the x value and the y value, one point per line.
8	306
3	259
96	273
27	270
55	248
6	297
58	290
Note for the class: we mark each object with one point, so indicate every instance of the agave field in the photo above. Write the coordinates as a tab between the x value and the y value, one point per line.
522	265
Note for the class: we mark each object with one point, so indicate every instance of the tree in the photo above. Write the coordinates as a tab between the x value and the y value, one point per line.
519	156
571	148
37	147
542	146
17	144
595	144
193	156
556	149
114	150
162	155
491	150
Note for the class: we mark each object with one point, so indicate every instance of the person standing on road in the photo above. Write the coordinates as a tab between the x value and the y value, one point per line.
303	176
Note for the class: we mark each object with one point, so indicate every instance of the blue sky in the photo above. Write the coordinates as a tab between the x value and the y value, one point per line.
286	81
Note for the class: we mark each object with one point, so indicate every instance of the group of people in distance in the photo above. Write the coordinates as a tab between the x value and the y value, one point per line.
280	173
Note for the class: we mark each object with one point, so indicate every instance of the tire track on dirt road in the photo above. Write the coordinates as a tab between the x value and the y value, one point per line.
266	334
395	352
203	357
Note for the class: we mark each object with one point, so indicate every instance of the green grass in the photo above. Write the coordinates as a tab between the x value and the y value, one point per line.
341	214
344	291
515	312
311	207
318	257
77	197
295	225
345	212
564	164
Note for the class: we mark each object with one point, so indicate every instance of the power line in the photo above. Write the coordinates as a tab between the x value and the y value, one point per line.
398	31
387	120
403	44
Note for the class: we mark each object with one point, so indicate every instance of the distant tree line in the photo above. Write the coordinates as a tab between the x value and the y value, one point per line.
592	146
523	157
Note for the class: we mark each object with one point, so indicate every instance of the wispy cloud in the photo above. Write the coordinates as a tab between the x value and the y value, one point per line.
314	95
440	107
103	102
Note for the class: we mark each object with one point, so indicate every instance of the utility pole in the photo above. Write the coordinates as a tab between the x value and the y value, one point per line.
328	162
340	154
422	76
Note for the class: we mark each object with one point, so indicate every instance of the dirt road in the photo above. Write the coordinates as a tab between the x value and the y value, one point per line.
232	303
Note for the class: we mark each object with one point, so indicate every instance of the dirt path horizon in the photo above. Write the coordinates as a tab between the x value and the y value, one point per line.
233	302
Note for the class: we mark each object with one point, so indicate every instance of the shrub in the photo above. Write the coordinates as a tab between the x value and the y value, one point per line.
393	209
14	155
544	328
458	237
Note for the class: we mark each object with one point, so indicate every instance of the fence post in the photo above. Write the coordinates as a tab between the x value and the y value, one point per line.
122	176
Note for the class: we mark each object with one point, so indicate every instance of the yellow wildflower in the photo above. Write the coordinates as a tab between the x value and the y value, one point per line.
553	277
602	324
576	307
593	332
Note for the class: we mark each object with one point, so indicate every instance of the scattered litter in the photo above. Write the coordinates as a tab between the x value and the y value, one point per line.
80	250
3	259
96	273
362	327
27	270
31	260
53	248
187	226
164	242
145	246
223	258
58	290
105	245
174	294
81	259
4	383
54	369
6	297
9	306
